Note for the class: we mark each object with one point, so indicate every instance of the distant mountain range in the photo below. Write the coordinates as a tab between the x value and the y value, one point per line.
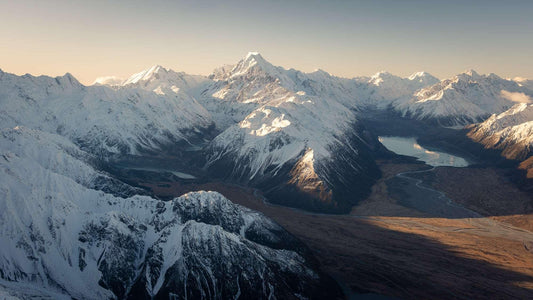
257	123
74	230
69	230
511	132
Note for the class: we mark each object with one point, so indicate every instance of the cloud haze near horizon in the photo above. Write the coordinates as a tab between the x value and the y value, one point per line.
516	97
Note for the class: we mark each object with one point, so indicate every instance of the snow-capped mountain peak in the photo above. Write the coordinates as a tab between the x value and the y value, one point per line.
155	72
322	73
163	80
62	232
69	80
510	131
98	118
469	74
519	113
384	77
380	77
417	75
254	58
465	98
423	77
151	73
391	87
254	55
253	62
521	81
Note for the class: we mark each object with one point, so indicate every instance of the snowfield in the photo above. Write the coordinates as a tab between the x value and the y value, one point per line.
61	235
69	229
510	131
98	118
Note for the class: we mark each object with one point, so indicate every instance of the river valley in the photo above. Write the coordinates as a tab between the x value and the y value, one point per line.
394	243
412	192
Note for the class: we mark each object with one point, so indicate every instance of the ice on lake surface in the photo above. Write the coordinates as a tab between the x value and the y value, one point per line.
410	147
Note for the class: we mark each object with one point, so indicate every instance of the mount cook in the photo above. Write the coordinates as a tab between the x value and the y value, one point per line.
295	136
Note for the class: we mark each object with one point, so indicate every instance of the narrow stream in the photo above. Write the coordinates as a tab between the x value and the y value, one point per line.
412	192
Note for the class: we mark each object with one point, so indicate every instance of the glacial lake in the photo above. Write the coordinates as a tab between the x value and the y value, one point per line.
412	192
159	170
409	146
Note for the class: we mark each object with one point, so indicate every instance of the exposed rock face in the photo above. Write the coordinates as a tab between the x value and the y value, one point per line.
510	131
386	87
284	115
100	119
58	233
464	99
305	179
268	118
72	230
528	166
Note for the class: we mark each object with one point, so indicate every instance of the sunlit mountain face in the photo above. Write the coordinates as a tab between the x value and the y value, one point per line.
144	154
106	182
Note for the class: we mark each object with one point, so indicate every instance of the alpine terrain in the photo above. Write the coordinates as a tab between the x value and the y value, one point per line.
103	187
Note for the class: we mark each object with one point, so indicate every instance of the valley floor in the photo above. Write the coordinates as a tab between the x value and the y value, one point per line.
386	248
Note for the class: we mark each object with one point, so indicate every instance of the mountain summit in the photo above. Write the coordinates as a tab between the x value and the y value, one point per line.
152	73
164	80
304	140
465	98
254	64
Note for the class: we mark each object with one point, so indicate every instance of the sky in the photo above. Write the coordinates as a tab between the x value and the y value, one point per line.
345	38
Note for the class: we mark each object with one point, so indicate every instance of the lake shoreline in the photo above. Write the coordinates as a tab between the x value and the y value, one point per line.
409	146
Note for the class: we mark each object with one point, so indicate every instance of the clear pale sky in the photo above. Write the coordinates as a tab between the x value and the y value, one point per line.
346	38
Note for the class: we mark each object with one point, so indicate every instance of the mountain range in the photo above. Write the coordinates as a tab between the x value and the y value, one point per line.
70	228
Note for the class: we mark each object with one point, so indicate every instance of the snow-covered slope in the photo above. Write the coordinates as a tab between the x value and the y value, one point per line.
60	236
108	80
466	98
270	117
162	80
386	87
525	82
238	89
69	229
510	131
285	117
99	118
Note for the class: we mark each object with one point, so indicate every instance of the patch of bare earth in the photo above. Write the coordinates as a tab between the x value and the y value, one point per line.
485	190
380	203
388	249
528	166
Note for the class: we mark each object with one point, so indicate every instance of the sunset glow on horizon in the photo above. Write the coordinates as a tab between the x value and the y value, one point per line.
91	39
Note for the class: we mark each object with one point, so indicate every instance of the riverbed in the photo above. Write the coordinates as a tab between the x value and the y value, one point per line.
412	192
